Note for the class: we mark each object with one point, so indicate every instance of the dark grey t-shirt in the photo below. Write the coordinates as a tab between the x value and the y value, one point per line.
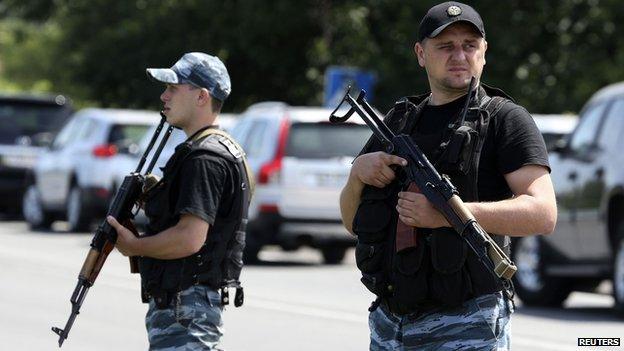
203	187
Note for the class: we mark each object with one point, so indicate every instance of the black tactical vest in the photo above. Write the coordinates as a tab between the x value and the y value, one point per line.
219	262
441	270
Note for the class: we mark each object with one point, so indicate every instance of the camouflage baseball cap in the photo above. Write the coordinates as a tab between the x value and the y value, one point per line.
199	69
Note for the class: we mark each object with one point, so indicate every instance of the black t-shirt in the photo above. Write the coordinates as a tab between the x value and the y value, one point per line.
512	141
202	187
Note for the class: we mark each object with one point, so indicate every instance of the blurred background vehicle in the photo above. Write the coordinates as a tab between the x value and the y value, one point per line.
301	163
588	243
28	123
555	127
75	177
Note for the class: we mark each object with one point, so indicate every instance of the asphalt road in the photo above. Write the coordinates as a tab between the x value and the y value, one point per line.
292	303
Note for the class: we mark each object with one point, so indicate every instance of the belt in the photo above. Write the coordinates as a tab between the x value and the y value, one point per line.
412	313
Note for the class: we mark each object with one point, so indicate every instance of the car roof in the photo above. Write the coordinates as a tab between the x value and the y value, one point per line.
305	114
39	99
607	92
122	115
555	123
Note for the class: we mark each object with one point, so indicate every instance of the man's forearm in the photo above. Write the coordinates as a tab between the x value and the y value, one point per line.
520	216
175	242
349	201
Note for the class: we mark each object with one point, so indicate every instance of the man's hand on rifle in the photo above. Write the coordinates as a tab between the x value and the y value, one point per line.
126	239
374	168
416	211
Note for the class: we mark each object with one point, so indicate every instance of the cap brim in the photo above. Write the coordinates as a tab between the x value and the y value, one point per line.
163	75
439	30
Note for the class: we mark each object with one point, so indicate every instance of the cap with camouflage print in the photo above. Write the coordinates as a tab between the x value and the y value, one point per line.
199	69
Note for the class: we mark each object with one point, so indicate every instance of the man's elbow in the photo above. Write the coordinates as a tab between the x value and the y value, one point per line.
549	220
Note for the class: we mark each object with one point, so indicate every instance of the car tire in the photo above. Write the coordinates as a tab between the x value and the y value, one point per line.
333	255
618	271
252	249
78	215
33	211
532	285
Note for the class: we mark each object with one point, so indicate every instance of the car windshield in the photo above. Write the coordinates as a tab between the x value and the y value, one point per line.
23	121
325	140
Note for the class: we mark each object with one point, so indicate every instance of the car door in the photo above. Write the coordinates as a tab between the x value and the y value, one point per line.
59	163
47	169
592	183
577	183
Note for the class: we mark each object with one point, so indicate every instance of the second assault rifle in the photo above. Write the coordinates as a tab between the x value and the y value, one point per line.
105	236
437	189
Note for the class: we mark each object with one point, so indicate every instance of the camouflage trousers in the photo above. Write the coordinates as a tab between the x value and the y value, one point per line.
482	323
192	321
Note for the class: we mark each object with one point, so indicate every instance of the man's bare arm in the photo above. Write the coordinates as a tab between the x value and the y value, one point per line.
533	209
181	240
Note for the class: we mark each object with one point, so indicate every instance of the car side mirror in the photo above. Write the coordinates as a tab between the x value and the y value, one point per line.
560	146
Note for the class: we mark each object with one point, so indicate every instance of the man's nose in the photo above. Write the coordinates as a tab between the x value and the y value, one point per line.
458	53
164	97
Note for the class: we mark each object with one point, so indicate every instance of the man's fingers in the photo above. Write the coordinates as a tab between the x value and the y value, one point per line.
394	160
113	222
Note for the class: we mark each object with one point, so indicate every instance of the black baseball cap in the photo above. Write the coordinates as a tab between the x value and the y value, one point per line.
443	15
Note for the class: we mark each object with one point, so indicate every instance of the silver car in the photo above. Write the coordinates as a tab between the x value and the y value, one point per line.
301	162
75	178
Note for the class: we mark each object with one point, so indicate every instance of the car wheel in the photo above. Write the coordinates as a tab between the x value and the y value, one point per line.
32	210
252	249
333	255
532	285
618	273
78	215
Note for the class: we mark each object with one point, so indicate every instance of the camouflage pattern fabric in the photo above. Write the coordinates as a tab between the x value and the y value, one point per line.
192	321
482	323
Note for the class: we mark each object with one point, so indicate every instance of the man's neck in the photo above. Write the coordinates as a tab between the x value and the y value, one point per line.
199	122
440	99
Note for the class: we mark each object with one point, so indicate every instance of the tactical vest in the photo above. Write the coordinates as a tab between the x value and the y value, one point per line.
219	262
441	270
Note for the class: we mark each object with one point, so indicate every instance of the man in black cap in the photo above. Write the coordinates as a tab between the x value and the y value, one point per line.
191	252
436	295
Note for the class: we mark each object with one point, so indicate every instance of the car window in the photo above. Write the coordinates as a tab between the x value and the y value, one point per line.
84	130
613	125
585	134
324	140
67	134
18	120
254	142
127	133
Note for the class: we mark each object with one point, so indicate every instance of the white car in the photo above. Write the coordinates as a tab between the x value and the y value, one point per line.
75	177
555	127
301	162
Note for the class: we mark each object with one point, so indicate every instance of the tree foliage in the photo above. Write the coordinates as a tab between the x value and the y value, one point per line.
551	56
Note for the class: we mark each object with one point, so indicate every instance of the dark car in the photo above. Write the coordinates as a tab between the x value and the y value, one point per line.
587	246
27	125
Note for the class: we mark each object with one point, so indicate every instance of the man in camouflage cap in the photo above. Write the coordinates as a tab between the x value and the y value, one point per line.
434	293
191	252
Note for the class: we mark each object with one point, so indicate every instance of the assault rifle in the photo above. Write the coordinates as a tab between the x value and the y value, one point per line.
423	177
105	236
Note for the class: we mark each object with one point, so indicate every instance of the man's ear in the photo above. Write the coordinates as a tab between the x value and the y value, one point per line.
419	51
204	97
484	50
